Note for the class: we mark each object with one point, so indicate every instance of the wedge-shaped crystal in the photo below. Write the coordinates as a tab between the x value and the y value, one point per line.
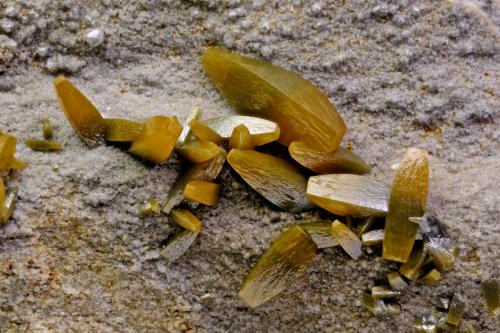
491	293
338	161
80	112
378	307
396	281
18	165
47	131
178	245
201	191
345	194
260	88
408	198
7	152
262	131
320	232
186	130
384	292
412	268
8	205
186	219
279	267
122	130
275	179
203	132
456	310
374	237
42	145
438	243
198	151
241	138
151	206
347	239
432	277
157	139
206	171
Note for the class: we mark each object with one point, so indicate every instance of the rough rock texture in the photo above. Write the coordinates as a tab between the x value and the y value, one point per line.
76	258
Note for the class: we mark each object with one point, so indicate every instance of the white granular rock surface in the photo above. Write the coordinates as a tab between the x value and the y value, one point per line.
76	258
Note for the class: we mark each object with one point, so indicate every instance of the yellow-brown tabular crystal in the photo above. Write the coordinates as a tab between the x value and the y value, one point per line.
347	239
47	129
42	145
157	139
203	132
197	151
204	192
279	267
260	88
122	130
7	152
241	138
80	112
338	161
186	219
408	198
491	293
412	268
275	179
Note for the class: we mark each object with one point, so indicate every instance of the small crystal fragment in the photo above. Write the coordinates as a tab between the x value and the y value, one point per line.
122	130
456	310
207	171
347	239
279	267
198	151
149	207
18	164
42	145
186	219
412	268
262	131
157	139
432	277
338	161
81	113
178	245
438	243
379	307
408	198
384	292
9	204
277	180
260	88
344	194
320	232
241	138
491	293
47	129
396	281
203	132
374	237
186	130
366	225
7	152
429	323
204	192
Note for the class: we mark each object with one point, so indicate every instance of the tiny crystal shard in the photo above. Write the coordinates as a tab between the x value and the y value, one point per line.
157	139
80	112
186	219
206	171
321	233
432	277
262	131
456	310
8	206
7	152
18	165
186	130
149	207
374	237
178	245
407	199
491	292
241	138
122	130
384	292
279	267
338	161
347	239
412	268
396	281
47	129
203	132
42	145
378	307
277	180
345	194
198	151
438	243
260	88
204	192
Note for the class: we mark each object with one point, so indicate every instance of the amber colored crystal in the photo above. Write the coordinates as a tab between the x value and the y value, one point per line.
197	151
7	152
204	192
203	132
241	138
122	130
186	219
347	239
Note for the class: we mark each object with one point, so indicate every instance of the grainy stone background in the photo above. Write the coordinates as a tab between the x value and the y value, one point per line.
76	258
